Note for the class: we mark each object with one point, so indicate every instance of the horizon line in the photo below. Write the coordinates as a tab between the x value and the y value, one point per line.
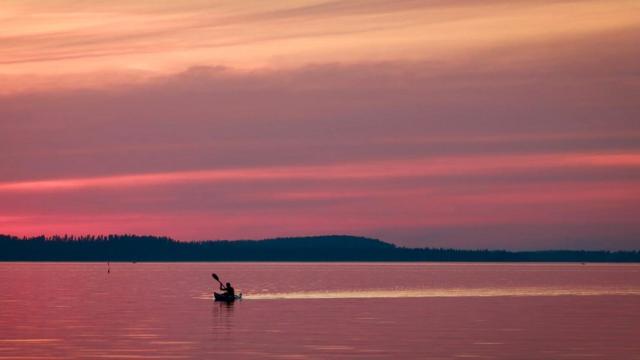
78	238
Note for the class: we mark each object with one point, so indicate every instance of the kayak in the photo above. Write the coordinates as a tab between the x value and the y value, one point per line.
224	297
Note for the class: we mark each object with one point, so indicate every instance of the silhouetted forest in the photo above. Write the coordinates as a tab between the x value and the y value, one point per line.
316	248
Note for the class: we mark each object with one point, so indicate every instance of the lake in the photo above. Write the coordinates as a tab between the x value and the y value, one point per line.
320	311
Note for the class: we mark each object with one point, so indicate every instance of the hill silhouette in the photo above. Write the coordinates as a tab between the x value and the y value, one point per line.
313	248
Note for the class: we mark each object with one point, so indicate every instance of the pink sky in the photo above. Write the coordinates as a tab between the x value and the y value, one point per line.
496	124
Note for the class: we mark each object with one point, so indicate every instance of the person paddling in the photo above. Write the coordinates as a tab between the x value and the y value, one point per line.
229	293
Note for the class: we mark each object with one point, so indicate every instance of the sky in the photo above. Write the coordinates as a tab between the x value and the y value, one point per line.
472	124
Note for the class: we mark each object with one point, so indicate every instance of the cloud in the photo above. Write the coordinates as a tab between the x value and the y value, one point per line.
394	169
208	118
70	38
513	143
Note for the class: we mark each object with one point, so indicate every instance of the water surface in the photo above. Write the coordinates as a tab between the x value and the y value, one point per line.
320	310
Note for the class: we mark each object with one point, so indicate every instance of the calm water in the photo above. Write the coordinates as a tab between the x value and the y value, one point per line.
320	310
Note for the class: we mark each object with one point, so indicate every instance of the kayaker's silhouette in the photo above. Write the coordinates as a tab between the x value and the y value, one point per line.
229	293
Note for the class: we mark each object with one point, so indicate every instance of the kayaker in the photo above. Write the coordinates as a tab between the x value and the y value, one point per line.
229	291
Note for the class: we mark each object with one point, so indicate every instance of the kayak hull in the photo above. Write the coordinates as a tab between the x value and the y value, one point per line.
223	297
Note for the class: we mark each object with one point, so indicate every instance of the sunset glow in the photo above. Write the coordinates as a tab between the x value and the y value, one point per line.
424	123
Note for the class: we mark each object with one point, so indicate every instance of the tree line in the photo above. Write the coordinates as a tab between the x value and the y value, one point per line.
317	248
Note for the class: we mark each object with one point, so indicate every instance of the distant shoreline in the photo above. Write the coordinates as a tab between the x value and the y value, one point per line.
331	248
329	261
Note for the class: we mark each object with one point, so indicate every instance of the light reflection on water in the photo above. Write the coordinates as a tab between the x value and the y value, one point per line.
426	293
315	310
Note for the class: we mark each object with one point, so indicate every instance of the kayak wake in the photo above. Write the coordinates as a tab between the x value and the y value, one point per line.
436	293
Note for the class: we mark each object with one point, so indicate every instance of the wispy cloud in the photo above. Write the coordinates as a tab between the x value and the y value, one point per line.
71	38
432	167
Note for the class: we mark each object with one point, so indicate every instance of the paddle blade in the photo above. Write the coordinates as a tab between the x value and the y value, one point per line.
215	277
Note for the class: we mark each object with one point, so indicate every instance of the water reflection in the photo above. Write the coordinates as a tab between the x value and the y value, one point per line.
536	311
222	314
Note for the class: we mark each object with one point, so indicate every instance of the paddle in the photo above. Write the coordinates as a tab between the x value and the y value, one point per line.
213	275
